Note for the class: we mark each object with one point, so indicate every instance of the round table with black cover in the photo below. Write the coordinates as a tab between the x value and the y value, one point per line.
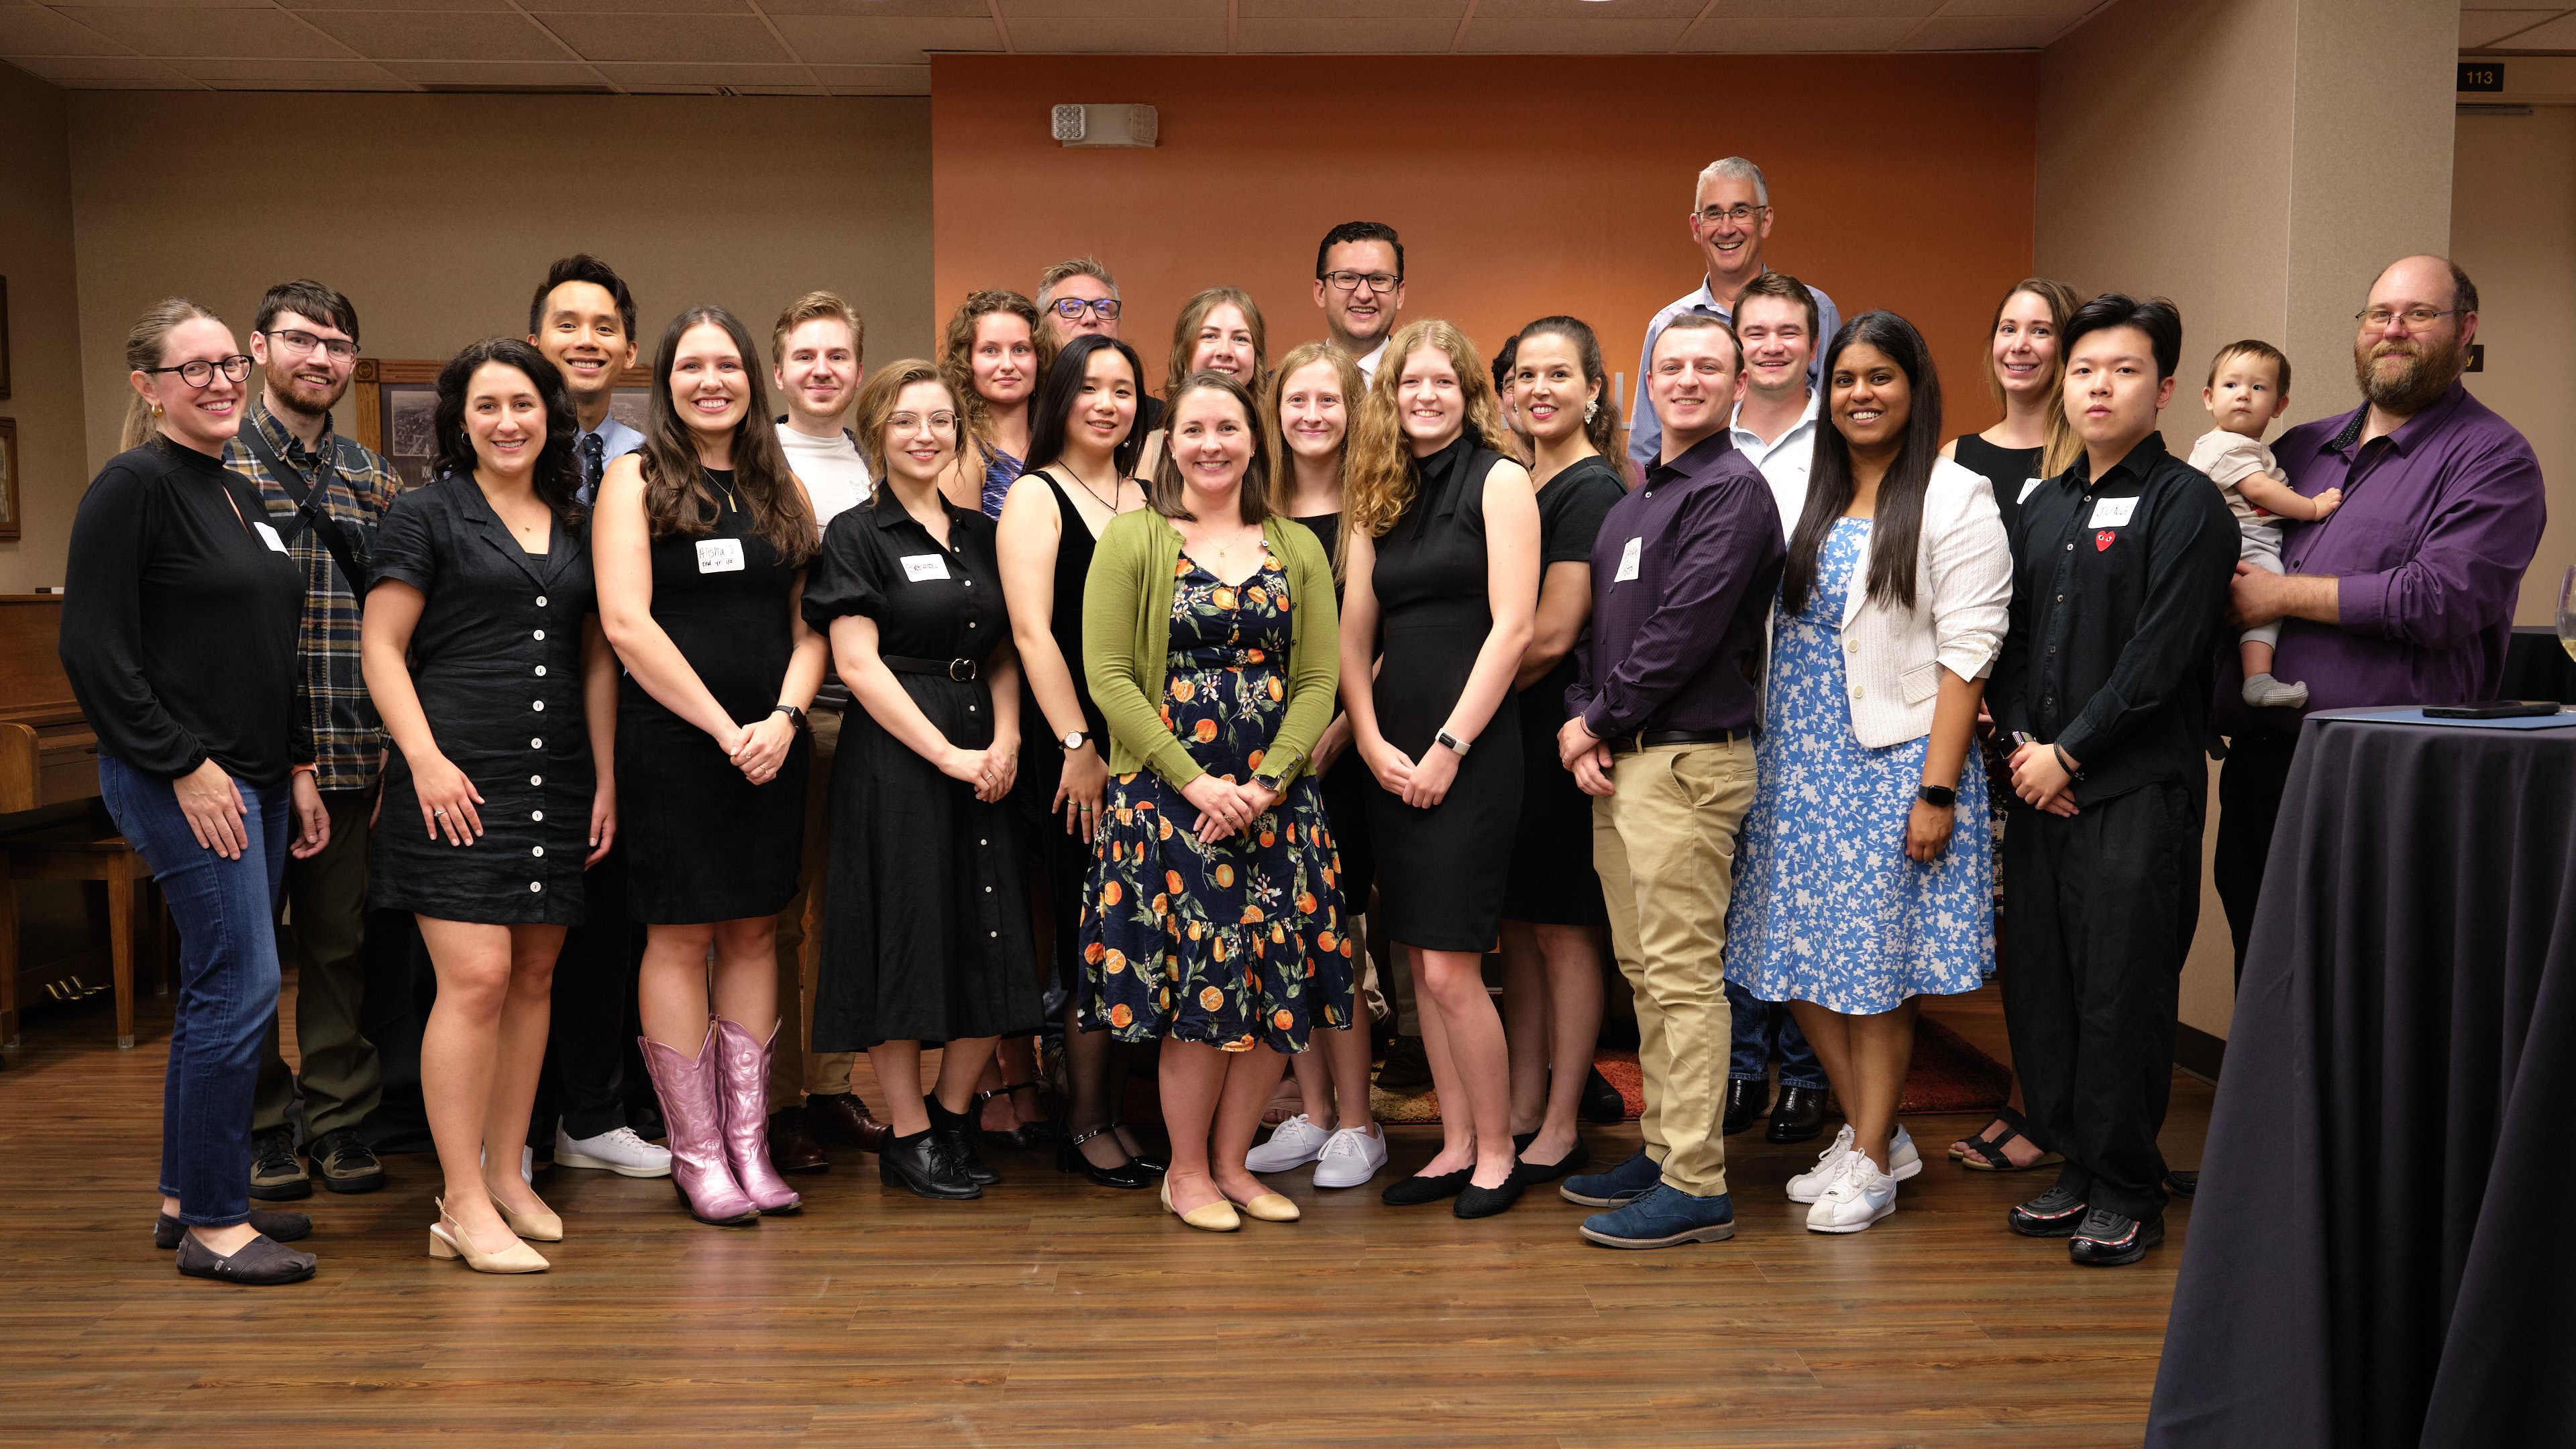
2379	1254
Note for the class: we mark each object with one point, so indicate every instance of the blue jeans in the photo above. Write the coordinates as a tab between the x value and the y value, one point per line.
1764	1030
226	912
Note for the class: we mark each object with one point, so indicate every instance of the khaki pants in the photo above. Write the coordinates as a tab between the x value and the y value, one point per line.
794	1069
1664	846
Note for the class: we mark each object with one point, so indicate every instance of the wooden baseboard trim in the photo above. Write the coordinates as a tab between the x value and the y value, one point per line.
2198	1052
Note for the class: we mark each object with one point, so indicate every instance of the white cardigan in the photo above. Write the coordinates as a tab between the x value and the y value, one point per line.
1893	657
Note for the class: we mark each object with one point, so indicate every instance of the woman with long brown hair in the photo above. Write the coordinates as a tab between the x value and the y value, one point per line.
1442	580
699	543
992	357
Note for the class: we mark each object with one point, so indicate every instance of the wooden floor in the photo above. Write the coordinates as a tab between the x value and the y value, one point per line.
1052	1312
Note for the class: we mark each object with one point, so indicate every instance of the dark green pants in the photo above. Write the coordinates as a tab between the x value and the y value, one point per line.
326	902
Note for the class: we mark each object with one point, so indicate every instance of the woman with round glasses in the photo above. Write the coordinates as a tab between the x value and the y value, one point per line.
179	625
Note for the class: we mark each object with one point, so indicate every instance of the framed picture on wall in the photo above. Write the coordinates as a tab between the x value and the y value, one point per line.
4	355
397	401
8	478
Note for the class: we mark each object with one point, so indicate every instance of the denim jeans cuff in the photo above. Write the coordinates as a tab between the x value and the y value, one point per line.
214	1220
1812	1084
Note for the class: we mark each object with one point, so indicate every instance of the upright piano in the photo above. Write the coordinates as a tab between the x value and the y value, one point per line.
48	753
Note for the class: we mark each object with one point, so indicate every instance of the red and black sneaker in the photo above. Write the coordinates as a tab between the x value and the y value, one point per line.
2107	1240
2053	1214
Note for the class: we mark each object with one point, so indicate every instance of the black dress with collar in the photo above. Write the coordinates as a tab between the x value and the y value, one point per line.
496	660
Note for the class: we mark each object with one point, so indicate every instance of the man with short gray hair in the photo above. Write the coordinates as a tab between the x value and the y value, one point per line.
1730	220
1079	298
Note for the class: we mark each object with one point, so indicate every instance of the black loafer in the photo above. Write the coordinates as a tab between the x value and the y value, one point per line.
2108	1240
2055	1213
922	1165
1797	1116
259	1263
1601	1101
1744	1102
276	1227
1417	1190
1484	1202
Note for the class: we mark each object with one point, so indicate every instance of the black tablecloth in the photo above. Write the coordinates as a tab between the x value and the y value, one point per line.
2380	1252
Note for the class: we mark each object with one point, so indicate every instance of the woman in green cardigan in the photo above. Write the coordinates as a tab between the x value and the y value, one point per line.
1213	921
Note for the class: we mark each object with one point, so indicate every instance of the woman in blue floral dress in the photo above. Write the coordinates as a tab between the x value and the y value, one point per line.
1856	893
1213	921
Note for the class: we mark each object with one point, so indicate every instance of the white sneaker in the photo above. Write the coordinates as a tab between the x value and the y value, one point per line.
619	1151
1902	1160
1350	1158
527	1163
1293	1143
1809	1186
1859	1195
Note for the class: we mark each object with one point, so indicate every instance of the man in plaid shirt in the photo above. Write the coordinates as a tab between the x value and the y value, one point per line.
305	340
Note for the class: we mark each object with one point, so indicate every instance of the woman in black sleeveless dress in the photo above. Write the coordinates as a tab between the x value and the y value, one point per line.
1083	446
699	543
1442	579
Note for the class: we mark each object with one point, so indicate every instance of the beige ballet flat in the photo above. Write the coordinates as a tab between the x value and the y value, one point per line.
448	1240
1270	1207
1215	1217
542	1226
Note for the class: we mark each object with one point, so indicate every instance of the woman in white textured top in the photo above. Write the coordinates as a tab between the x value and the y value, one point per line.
1855	890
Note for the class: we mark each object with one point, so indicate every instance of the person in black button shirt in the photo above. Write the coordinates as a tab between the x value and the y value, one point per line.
2120	572
480	625
179	622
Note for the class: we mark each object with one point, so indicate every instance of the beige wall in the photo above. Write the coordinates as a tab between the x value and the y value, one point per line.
2513	229
438	214
44	328
2258	161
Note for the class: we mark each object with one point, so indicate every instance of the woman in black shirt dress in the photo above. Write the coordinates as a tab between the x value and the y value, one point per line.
926	924
1442	581
489	671
699	542
179	625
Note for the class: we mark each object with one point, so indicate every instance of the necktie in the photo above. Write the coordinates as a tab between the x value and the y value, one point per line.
593	463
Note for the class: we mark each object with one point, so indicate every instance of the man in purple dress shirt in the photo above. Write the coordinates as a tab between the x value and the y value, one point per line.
1662	738
2405	595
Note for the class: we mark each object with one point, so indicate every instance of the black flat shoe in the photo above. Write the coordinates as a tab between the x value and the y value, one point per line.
1601	1101
957	1131
922	1165
1744	1101
259	1263
1416	1190
276	1227
1530	1174
1068	1158
1522	1140
2183	1184
1798	1116
1484	1202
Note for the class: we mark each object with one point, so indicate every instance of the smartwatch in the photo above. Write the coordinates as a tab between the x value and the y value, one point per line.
1074	739
1940	797
1454	744
795	716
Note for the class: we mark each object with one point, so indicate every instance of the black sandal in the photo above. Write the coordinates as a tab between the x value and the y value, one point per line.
1986	1153
1023	1136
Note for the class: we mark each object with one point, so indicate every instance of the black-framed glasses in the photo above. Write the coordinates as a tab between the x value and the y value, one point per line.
197	372
340	348
1377	281
2418	319
1740	214
1072	308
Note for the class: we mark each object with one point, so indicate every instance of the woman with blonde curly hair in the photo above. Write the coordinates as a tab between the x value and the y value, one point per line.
1443	571
992	357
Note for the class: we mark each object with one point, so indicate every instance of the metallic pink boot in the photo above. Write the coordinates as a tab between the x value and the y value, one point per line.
746	1117
693	1112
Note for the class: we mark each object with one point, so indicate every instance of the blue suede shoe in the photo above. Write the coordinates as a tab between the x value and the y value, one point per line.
1665	1217
1618	1187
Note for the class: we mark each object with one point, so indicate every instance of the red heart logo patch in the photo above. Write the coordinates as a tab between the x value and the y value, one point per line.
2101	540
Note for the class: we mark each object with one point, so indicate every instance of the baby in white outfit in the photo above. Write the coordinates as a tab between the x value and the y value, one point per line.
2249	385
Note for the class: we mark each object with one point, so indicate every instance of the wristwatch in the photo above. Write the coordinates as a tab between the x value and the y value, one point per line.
1456	746
1074	739
1938	796
795	716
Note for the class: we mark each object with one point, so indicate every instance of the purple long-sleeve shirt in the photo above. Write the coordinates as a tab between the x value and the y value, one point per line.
2439	520
1682	576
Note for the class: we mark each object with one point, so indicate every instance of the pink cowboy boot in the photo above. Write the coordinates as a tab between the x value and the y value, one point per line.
746	1117
693	1111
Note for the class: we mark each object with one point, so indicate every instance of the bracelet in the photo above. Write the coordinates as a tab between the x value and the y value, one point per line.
2064	763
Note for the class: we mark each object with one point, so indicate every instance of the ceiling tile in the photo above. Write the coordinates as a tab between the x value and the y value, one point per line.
430	35
1012	10
1554	37
1989	32
1449	10
2485	27
2066	10
875	80
30	30
1729	10
102	70
1590	12
890	9
1130	35
645	7
708	38
862	40
251	33
493	73
266	74
708	75
1779	37
1373	36
181	4
2556	35
469	5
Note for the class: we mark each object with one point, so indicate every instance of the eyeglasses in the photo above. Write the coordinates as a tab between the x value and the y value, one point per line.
197	372
2418	319
340	348
1072	308
1377	281
1739	213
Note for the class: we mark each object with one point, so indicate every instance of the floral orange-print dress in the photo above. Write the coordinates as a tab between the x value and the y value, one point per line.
1240	942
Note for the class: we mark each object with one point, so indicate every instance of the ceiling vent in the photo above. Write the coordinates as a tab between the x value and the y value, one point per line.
1106	125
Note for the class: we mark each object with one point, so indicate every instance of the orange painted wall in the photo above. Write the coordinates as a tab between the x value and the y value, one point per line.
1522	185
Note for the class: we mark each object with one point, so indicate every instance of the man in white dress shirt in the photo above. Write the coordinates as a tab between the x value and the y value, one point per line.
1359	282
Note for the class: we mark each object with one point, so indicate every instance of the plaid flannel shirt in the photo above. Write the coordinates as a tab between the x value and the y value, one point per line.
348	740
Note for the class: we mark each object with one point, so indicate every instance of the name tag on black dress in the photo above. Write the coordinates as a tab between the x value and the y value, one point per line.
719	555
921	568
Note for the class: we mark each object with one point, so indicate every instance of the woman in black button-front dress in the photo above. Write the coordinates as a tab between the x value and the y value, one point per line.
926	925
700	545
487	666
1443	581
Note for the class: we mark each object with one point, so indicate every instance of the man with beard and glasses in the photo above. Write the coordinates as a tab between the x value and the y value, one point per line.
2405	594
325	496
